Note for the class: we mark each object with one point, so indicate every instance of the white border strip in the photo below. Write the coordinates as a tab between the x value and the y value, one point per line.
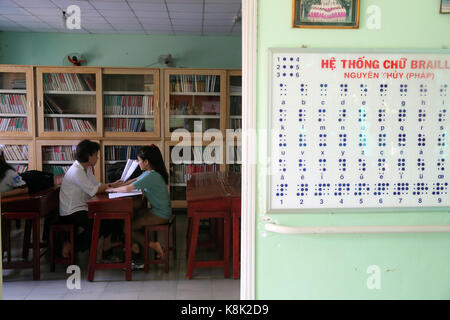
354	229
249	58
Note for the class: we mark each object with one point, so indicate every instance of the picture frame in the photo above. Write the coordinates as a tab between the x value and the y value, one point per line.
445	6
326	14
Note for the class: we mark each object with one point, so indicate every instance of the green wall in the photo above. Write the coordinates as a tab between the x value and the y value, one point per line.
120	50
412	266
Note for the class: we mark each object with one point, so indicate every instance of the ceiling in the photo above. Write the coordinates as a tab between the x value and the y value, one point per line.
152	17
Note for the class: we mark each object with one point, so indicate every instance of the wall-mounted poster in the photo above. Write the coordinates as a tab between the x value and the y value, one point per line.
325	14
358	130
445	6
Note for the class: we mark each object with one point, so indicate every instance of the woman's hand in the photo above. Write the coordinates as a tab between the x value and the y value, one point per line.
116	184
110	190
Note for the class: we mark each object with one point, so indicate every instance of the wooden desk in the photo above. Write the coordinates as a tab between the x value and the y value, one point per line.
31	208
210	195
100	207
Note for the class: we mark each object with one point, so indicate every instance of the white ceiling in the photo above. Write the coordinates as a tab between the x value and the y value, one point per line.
163	17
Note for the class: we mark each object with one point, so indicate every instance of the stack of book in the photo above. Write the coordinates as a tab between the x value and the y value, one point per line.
13	124
69	125
129	105
13	103
19	84
59	153
194	83
68	82
50	106
124	125
121	153
182	173
19	168
15	152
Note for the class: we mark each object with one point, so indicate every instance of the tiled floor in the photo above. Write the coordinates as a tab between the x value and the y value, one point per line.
207	283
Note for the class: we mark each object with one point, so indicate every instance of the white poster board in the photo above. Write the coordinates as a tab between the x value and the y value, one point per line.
358	130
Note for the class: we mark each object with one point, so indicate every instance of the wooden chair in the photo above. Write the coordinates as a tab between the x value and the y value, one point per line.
166	229
58	228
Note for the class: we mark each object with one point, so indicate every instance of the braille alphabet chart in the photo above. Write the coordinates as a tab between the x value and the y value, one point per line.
357	130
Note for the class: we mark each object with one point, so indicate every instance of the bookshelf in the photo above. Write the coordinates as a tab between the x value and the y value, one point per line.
131	103
116	153
16	101
69	101
234	120
193	97
56	156
19	154
190	159
120	107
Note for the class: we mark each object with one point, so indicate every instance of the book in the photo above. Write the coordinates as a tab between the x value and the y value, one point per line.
129	169
113	195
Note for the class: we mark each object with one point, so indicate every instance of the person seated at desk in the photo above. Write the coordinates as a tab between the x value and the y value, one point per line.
11	183
78	186
153	181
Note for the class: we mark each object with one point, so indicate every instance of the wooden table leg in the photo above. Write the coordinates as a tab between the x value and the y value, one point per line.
128	248
93	251
192	247
36	249
26	238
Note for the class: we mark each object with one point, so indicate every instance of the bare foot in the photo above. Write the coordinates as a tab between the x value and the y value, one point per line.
158	248
66	250
135	248
109	245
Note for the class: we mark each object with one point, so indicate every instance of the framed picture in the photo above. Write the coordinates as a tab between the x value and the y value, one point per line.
445	6
339	14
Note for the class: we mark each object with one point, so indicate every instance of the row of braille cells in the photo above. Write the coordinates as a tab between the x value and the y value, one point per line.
362	115
362	165
383	89
366	189
322	141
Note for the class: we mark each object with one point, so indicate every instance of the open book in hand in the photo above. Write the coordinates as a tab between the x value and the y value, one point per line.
129	169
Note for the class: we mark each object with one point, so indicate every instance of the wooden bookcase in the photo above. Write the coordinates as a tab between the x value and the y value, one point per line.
116	152
190	160
69	102
19	154
56	156
192	95
123	109
131	103
234	119
16	102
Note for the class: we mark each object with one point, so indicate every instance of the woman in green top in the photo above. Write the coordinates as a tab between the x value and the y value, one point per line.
153	181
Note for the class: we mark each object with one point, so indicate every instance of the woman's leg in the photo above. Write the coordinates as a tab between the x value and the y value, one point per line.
144	218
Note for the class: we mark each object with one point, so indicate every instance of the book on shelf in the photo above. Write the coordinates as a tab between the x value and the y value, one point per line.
68	82
66	124
235	89
118	153
128	105
59	153
19	168
130	167
193	83
50	106
125	125
13	103
182	173
19	84
13	124
15	152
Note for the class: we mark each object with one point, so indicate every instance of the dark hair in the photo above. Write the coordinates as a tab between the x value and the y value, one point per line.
85	149
155	159
4	166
